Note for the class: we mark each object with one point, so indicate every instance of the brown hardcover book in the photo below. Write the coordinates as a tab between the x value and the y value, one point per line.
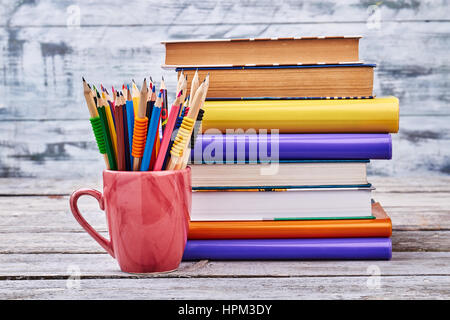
352	80
267	51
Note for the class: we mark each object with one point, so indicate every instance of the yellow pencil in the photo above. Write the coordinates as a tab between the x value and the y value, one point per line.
184	133
141	131
112	128
135	96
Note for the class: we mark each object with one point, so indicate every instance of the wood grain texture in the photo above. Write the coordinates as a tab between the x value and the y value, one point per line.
395	287
67	149
61	186
411	211
102	266
81	242
47	147
43	251
45	53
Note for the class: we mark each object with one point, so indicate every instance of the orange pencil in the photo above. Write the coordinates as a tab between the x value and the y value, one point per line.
140	128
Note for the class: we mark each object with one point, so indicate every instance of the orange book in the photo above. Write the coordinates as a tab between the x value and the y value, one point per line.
381	226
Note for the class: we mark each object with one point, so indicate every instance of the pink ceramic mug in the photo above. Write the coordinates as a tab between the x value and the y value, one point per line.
148	217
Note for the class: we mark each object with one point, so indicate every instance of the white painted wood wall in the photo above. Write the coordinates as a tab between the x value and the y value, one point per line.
44	127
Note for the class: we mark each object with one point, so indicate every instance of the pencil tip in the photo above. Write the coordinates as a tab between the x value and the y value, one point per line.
83	79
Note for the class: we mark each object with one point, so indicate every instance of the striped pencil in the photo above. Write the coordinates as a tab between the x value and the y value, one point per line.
140	128
95	121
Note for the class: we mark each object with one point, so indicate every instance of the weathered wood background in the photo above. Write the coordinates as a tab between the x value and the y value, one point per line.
46	141
44	253
47	45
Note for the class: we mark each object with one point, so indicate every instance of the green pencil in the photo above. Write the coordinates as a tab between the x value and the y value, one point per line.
108	143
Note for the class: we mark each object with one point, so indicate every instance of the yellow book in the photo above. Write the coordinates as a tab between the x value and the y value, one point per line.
380	115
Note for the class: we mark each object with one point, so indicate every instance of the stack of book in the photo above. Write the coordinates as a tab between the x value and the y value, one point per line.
279	171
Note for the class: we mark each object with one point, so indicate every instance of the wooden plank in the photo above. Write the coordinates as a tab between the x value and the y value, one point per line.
390	287
102	266
81	242
408	211
50	149
67	150
42	62
57	59
65	186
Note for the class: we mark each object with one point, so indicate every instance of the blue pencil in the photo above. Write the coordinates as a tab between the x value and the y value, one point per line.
130	118
151	134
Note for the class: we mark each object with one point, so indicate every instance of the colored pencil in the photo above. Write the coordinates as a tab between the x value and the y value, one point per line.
168	133
184	134
194	84
140	128
118	108
135	97
151	133
164	107
112	128
107	135
130	119
95	121
126	136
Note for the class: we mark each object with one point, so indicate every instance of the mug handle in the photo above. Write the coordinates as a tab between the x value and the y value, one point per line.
105	243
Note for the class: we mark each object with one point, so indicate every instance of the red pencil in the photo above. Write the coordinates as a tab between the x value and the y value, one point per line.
118	110
167	133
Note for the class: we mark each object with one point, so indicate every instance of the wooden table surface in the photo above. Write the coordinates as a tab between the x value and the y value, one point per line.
45	254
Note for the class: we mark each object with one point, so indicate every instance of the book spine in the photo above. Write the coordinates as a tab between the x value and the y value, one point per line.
290	249
283	147
204	230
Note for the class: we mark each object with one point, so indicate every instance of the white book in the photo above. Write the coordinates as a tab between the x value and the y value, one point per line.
317	203
278	174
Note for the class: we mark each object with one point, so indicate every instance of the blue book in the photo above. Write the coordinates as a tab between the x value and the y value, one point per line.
264	148
290	249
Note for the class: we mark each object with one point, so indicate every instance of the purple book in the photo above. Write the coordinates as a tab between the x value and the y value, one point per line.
290	249
246	147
